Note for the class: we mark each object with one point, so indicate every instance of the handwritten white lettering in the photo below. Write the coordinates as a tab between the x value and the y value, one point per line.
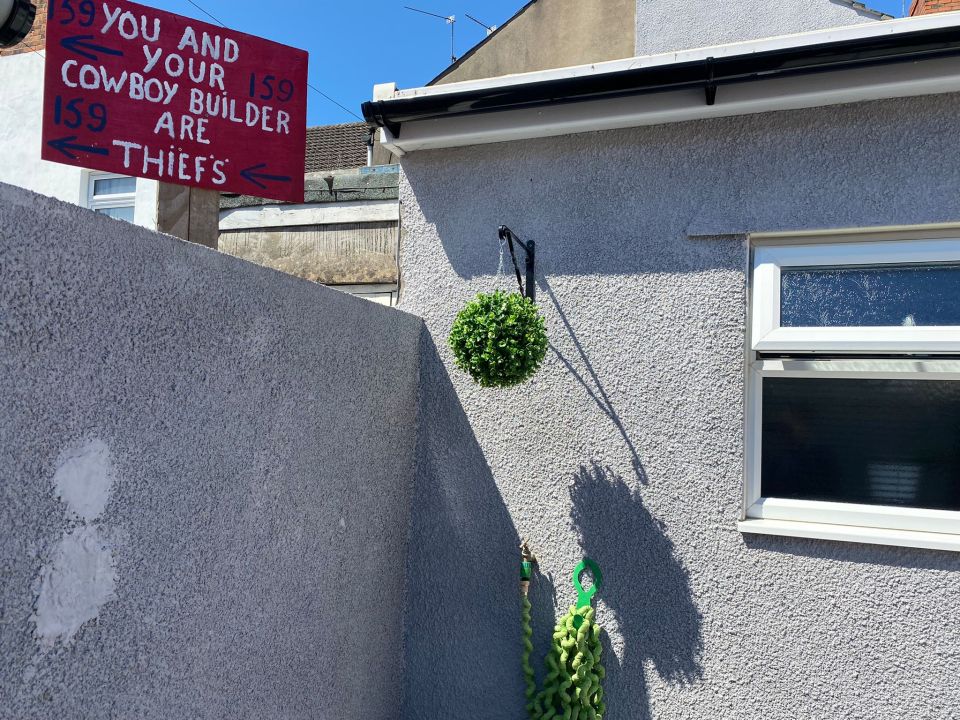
127	26
152	59
245	113
67	66
97	77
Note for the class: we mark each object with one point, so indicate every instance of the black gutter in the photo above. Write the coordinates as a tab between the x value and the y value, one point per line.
707	74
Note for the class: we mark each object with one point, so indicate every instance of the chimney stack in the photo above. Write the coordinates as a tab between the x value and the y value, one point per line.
36	40
926	7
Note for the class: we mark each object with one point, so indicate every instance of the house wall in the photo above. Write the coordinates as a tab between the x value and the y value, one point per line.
667	25
342	254
627	446
206	473
925	7
21	128
346	233
549	34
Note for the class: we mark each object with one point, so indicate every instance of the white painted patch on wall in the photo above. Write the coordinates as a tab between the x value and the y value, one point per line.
74	586
83	479
80	577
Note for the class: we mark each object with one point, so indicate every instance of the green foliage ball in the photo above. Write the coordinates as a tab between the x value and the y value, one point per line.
499	339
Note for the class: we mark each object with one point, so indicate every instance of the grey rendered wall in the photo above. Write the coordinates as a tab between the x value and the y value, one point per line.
205	470
627	446
667	25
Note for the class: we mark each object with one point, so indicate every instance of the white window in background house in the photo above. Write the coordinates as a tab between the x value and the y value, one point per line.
113	195
382	294
853	392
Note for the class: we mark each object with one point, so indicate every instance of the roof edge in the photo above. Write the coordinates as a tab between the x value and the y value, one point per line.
897	26
865	8
890	59
472	51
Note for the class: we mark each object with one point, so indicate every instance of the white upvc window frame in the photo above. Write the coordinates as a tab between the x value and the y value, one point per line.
768	336
896	351
115	200
380	293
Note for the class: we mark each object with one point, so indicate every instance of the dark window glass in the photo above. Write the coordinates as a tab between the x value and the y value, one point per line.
875	442
896	295
118	213
114	186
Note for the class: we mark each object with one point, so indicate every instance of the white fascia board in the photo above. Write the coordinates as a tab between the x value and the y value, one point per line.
388	141
270	216
872	29
890	81
848	86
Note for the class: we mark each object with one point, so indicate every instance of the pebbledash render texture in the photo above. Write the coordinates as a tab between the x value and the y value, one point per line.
668	25
235	494
207	468
628	445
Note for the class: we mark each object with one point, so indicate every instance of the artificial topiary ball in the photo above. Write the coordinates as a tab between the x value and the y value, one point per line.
499	339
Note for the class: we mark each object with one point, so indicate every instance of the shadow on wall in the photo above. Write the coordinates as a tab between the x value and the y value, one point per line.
576	234
543	618
591	384
626	201
462	630
645	586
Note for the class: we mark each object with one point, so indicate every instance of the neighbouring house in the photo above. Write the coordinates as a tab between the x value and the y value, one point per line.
185	212
923	7
345	234
547	34
748	263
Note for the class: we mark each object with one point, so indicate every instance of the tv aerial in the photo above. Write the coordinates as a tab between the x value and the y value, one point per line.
451	20
489	28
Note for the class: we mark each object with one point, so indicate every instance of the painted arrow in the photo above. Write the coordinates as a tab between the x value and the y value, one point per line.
254	177
68	147
81	45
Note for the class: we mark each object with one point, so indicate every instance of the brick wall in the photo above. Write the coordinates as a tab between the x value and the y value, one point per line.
925	7
37	39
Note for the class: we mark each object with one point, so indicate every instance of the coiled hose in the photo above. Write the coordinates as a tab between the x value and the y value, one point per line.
573	686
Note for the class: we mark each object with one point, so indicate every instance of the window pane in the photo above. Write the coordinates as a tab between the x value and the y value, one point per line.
120	213
875	442
902	295
114	186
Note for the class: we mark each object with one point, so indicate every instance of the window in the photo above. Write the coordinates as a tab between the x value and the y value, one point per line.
382	294
113	195
853	392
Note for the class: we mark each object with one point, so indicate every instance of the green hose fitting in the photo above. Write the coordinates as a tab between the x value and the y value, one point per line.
527	560
572	688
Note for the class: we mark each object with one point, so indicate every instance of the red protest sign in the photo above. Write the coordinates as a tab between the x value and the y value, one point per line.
137	91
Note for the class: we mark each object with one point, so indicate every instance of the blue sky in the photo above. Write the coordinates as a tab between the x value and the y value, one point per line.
355	44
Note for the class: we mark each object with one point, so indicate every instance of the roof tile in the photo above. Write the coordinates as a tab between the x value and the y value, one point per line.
337	147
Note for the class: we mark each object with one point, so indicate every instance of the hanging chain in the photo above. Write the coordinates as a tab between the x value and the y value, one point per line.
503	245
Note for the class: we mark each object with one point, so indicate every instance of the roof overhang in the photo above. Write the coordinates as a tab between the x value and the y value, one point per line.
897	58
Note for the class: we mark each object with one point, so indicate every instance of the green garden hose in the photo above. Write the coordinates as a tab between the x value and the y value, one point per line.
528	675
572	688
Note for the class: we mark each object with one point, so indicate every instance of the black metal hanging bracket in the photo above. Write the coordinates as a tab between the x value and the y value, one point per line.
530	248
